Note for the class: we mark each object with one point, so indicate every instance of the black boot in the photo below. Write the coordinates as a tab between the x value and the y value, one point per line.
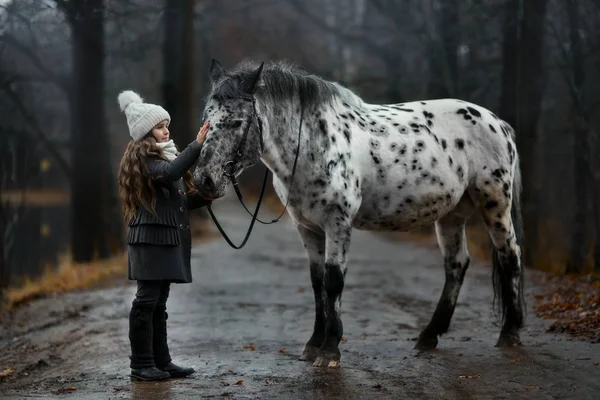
176	371
149	374
140	338
162	358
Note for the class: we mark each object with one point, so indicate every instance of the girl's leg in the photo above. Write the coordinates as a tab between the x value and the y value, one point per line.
162	358
141	331
161	349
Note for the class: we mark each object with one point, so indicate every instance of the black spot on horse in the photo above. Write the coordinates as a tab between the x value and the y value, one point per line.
474	112
323	127
492	128
459	143
491	204
376	159
498	172
347	135
444	144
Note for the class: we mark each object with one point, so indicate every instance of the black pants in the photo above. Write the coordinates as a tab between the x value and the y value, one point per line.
148	325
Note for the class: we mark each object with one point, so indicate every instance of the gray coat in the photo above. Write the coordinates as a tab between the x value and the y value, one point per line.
159	246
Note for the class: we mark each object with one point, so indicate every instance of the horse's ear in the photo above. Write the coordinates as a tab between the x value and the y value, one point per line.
216	71
253	80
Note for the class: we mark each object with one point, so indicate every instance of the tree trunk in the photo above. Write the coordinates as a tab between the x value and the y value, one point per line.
90	186
596	200
581	147
521	99
179	70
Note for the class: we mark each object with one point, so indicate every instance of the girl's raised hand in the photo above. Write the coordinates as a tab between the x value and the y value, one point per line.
202	133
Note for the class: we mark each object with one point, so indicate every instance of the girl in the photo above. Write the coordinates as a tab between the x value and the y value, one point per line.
156	191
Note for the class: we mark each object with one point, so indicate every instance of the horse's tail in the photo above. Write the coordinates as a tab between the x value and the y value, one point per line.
516	214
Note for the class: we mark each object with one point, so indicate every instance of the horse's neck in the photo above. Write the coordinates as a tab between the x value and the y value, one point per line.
280	136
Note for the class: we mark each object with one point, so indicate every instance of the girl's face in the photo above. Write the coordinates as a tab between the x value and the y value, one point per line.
161	131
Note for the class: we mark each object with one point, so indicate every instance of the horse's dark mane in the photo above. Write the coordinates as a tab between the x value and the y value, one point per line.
280	80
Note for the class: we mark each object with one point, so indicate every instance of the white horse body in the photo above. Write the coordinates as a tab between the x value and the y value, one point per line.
409	186
371	167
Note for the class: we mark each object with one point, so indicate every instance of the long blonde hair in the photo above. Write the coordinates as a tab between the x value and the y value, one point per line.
135	182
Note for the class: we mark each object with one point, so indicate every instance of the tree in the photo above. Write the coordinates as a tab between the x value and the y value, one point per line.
521	97
178	69
91	190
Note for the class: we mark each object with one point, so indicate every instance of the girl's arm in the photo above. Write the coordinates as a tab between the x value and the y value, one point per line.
175	169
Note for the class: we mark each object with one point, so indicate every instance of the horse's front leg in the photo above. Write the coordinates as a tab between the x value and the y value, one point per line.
314	243
338	236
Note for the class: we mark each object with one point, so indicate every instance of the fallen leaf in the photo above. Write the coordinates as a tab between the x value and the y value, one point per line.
282	350
250	347
377	387
343	340
65	390
6	372
531	387
240	382
469	376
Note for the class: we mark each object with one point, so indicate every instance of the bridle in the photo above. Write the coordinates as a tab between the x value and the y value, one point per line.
230	168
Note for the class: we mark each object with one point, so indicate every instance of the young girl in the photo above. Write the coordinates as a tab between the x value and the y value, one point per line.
157	192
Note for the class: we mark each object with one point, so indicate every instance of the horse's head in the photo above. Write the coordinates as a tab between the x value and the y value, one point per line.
234	140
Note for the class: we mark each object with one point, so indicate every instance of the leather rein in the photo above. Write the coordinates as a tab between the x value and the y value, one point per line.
231	166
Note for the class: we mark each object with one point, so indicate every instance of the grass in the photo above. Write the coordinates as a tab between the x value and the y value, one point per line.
68	276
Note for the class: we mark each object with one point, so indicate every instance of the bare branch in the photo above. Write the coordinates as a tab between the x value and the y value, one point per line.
381	51
60	80
36	129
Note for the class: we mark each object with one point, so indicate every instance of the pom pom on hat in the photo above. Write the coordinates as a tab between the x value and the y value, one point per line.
127	97
141	117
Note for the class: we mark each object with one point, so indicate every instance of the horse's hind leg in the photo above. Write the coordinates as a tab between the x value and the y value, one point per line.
451	237
314	243
507	269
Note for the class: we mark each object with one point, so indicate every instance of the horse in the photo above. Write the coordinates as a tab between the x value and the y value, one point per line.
377	167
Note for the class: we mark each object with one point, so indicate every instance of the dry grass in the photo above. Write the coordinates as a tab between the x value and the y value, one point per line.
36	197
68	276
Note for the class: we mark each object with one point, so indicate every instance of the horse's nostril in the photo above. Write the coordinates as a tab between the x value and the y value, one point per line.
208	183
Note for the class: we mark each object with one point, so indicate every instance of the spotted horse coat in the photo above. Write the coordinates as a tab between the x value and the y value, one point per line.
378	167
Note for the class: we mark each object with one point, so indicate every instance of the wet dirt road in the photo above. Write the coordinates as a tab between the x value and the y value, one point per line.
243	322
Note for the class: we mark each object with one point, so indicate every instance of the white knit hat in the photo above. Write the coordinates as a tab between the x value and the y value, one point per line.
141	117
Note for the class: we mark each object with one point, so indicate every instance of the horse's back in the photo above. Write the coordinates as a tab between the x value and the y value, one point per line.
419	158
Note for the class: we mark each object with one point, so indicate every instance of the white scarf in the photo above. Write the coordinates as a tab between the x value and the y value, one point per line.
169	149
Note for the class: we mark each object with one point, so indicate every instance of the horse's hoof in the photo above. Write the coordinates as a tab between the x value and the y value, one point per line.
507	339
327	359
426	343
310	353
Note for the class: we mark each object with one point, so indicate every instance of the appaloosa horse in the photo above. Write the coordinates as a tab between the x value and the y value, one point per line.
373	167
